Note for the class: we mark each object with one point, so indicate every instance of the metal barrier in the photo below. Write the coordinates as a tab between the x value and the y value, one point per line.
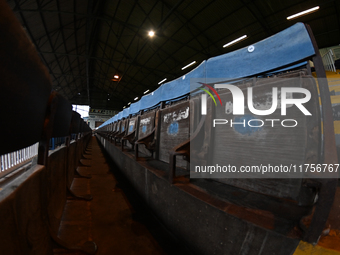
328	61
11	161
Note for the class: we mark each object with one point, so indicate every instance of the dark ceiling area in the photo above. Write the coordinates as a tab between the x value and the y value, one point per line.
85	43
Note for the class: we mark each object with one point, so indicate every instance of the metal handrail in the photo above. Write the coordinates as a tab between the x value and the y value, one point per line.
328	61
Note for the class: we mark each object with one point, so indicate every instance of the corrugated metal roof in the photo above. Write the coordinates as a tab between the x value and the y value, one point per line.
85	43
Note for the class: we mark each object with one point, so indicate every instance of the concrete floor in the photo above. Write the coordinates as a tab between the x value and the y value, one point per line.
117	221
109	219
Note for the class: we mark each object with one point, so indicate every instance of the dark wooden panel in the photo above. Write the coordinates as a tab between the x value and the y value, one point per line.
265	145
146	125
75	122
56	176
174	130
62	117
132	125
72	162
123	126
25	85
118	126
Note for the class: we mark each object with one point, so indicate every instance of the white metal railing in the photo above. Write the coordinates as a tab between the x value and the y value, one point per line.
10	161
328	61
336	52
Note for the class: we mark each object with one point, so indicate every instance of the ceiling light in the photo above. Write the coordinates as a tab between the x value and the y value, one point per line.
116	76
79	93
162	81
124	107
151	33
146	91
304	12
129	103
235	41
136	98
189	65
108	99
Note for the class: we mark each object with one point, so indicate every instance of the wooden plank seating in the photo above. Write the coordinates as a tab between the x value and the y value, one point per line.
131	133
146	134
74	157
32	204
58	123
121	132
286	66
276	145
23	80
183	149
57	162
174	129
266	145
114	130
110	130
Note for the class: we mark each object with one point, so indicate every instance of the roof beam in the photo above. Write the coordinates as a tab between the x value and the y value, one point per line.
31	36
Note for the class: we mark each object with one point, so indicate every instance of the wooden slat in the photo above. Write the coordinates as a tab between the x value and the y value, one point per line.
132	125
175	123
277	145
146	125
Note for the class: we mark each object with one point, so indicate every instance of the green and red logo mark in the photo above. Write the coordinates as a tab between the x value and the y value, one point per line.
213	90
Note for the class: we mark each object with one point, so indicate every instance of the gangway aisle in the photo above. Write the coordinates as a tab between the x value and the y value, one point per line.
108	218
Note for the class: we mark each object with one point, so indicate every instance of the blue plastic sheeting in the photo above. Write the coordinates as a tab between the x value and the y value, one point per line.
120	115
287	50
284	48
135	107
126	112
181	86
151	99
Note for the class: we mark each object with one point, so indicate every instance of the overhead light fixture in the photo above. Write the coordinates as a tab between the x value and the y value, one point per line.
146	91
129	103
124	107
235	41
193	62
79	93
136	98
151	33
116	77
162	81
108	99
303	13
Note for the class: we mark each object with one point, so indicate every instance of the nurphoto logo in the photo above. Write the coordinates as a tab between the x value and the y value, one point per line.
238	104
